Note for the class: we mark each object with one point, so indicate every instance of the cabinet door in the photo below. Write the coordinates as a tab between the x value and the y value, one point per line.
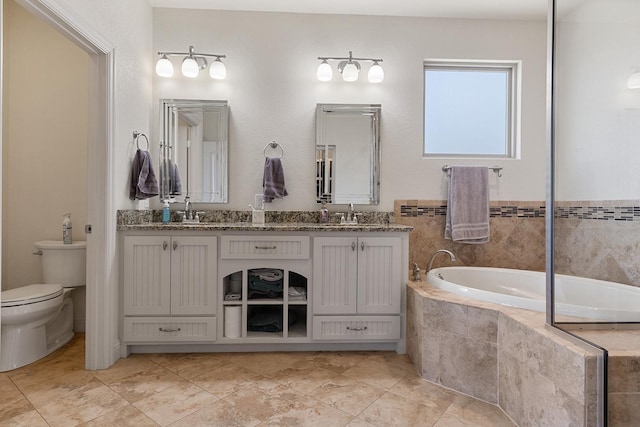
334	275
194	265
379	275
146	275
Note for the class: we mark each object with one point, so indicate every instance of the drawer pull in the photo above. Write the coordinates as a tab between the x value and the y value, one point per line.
169	329
349	328
266	248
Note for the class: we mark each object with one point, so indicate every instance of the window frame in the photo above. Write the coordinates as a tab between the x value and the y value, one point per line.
512	131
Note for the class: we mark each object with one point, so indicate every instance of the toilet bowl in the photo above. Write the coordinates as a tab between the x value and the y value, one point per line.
36	320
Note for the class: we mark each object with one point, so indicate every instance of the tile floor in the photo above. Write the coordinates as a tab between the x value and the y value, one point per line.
234	389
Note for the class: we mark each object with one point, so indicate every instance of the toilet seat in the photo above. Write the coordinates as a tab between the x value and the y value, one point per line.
30	294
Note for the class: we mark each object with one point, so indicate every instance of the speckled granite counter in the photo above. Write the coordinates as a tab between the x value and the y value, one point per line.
247	226
289	221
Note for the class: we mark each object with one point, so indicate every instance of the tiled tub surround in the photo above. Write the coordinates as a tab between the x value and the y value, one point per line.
502	355
517	235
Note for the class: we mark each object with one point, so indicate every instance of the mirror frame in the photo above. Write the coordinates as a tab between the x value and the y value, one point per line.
322	111
168	107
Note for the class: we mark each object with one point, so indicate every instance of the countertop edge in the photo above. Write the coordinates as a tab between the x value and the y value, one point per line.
175	226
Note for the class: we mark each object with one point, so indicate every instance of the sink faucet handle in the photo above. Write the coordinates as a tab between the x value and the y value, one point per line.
341	215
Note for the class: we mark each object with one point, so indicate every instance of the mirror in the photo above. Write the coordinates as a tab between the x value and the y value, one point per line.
194	150
348	153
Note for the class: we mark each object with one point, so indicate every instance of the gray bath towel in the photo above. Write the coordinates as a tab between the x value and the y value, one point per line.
467	218
143	179
273	180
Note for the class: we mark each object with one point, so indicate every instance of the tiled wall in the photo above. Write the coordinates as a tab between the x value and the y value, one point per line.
517	235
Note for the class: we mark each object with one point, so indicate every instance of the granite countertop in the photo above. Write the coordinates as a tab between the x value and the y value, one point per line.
273	226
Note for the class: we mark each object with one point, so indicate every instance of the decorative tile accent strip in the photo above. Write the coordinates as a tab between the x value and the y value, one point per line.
134	217
508	211
603	213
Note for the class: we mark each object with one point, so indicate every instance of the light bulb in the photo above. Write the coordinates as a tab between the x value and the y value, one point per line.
190	67
164	67
634	81
324	73
350	72
376	73
217	70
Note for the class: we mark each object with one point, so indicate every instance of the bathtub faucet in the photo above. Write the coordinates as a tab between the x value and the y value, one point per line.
451	256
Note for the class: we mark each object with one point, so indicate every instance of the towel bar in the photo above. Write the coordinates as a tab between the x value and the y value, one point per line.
496	169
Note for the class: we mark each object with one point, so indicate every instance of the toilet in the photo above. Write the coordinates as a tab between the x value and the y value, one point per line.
36	320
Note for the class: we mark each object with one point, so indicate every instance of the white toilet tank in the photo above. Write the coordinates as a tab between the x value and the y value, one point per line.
62	264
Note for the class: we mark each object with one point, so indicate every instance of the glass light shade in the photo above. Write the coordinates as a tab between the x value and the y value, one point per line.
350	72
164	67
634	81
190	67
217	70
376	73
324	73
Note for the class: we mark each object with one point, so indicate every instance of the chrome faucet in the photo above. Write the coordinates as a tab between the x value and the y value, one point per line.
188	215
350	212
416	272
188	210
452	257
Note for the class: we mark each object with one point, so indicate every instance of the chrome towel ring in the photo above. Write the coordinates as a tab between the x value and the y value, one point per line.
274	145
136	137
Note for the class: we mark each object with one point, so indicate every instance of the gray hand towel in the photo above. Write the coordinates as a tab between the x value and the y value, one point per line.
143	179
467	219
273	180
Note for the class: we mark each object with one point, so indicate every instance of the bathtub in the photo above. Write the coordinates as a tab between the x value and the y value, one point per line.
587	299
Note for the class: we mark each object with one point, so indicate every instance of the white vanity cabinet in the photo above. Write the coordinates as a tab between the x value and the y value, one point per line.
357	290
169	288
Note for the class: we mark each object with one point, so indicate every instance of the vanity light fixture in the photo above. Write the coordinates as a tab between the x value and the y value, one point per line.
191	64
349	67
634	81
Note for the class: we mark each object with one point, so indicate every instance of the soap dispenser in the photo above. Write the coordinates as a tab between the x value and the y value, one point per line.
166	212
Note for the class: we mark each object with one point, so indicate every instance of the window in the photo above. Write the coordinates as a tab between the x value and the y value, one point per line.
470	108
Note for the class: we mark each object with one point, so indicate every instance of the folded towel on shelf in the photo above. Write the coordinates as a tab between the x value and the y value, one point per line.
232	297
467	219
297	294
144	183
273	180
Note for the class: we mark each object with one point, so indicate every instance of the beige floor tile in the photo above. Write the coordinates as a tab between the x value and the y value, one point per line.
262	399
218	413
468	412
308	412
378	372
27	419
82	405
45	369
393	410
124	368
347	394
424	392
359	422
266	364
175	403
225	380
124	417
304	380
44	392
14	406
143	384
190	365
337	362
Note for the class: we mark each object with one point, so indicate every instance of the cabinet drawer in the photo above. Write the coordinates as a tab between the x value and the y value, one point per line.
356	328
169	329
259	247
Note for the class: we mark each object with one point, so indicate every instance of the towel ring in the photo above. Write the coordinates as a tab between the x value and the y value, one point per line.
274	145
137	135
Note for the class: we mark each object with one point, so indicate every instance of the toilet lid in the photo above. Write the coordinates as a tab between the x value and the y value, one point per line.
30	294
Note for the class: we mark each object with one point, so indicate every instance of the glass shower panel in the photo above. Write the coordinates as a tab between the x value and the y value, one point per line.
594	269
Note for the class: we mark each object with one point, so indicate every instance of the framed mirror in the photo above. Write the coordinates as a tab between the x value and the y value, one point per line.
194	150
348	153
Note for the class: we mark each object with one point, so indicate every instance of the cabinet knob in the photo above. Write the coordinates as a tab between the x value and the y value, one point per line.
353	246
362	246
164	245
175	245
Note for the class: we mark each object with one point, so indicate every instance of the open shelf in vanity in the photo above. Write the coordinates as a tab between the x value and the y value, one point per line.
265	289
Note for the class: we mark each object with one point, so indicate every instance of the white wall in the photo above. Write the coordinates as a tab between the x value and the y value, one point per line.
598	117
272	92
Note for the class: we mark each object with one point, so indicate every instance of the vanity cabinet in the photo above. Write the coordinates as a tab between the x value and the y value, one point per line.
169	288
357	287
